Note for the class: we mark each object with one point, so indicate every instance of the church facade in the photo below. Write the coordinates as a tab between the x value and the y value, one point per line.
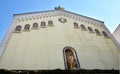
58	39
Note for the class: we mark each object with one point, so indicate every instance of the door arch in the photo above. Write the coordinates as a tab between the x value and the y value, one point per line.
70	58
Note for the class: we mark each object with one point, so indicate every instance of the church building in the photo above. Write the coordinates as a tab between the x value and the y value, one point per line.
58	39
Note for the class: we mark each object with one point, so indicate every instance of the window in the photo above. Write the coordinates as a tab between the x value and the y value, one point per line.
27	27
35	25
18	28
76	25
90	29
50	23
70	58
97	32
105	34
83	27
43	24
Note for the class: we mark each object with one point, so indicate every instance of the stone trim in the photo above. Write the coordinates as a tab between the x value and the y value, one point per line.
48	14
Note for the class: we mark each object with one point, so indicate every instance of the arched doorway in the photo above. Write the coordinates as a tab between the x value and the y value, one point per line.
70	58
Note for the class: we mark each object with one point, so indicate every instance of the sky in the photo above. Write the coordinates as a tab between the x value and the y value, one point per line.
104	10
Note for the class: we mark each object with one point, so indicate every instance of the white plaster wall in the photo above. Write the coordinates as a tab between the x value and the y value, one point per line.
43	48
117	34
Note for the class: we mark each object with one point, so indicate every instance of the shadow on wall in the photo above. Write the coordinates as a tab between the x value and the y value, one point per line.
59	71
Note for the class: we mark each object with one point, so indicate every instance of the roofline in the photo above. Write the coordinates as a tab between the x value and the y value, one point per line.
32	12
59	10
85	16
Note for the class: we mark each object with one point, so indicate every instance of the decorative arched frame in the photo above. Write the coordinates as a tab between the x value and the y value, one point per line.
97	32
27	27
18	28
35	25
76	25
105	34
83	27
50	23
43	24
71	61
90	29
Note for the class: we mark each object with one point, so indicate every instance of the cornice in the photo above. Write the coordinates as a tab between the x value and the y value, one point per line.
52	13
